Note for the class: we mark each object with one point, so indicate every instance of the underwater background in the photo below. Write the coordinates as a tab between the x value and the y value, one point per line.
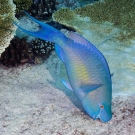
33	101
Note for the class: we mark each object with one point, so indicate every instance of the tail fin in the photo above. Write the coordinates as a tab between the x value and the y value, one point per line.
46	32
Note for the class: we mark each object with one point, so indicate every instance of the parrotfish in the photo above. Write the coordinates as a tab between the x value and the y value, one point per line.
87	69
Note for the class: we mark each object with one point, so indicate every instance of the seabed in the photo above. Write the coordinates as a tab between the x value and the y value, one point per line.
33	101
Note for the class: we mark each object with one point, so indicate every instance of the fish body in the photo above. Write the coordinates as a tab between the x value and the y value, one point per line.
89	77
87	70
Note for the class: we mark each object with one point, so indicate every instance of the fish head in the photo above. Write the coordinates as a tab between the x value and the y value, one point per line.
97	110
105	113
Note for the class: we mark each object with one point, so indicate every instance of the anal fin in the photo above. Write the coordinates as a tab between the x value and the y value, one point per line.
67	85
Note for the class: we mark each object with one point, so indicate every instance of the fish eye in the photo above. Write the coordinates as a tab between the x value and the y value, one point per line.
101	106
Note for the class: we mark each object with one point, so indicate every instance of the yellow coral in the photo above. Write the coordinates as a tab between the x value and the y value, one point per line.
7	16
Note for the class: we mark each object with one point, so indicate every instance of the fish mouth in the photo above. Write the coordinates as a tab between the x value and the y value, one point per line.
94	116
97	117
103	117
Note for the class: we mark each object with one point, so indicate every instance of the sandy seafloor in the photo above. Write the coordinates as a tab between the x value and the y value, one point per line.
33	101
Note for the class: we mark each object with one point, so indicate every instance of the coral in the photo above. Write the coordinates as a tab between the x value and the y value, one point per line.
16	53
119	13
42	8
64	15
68	3
7	17
22	5
42	47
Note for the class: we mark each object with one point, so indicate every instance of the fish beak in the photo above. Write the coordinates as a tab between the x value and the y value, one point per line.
103	116
94	117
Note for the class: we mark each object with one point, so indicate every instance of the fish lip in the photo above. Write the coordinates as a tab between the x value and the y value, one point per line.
93	116
102	120
98	117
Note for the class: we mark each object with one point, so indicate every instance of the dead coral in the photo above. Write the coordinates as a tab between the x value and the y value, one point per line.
7	17
42	8
41	47
16	53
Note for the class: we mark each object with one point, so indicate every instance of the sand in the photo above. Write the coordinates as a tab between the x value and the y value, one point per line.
33	101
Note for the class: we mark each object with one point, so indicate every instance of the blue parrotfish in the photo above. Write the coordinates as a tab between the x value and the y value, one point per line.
87	69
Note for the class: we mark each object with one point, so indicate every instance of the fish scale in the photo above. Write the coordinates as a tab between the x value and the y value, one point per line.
87	69
78	62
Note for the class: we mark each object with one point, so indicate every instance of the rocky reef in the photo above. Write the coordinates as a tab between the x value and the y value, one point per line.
42	8
18	52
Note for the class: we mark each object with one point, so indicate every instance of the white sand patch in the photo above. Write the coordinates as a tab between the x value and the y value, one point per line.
33	101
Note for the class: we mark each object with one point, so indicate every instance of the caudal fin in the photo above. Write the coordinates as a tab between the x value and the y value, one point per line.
46	32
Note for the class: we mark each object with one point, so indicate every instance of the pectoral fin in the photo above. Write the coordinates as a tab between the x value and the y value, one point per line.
85	89
67	85
59	52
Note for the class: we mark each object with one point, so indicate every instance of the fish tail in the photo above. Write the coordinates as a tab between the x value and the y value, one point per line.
46	32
